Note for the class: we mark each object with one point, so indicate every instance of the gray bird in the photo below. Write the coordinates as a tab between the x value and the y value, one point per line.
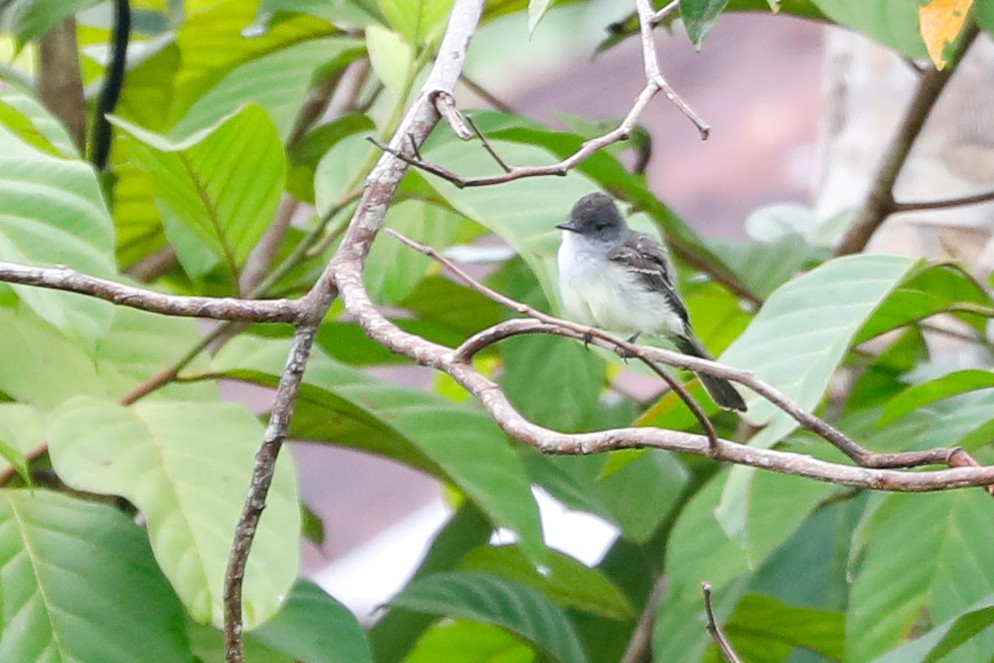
620	280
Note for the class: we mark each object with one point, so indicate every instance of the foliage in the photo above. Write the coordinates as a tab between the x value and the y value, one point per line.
117	506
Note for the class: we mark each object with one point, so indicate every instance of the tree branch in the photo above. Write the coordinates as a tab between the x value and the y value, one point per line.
60	84
946	203
214	308
880	203
368	218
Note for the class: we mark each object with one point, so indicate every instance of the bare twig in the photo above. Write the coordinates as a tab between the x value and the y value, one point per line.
880	203
947	203
665	13
215	308
714	629
485	94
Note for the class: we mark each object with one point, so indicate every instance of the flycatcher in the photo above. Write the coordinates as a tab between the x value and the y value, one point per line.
620	280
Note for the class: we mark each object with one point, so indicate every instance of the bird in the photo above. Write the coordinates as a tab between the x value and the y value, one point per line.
614	278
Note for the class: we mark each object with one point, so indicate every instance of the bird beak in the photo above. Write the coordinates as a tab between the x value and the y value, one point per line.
567	225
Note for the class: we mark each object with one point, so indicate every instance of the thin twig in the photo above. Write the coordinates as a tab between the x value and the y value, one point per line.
715	630
958	201
879	202
485	94
445	104
665	13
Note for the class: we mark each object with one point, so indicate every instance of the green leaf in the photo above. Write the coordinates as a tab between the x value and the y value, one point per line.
764	276
80	584
458	438
40	366
153	453
212	42
946	637
391	58
643	493
22	430
768	622
278	82
54	214
490	599
919	395
312	627
564	399
983	10
804	329
699	16
564	580
221	186
418	21
392	269
30	121
469	642
929	553
893	23
356	13
29	19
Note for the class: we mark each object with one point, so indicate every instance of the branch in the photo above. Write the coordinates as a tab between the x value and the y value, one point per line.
958	201
715	630
381	186
639	648
214	308
880	203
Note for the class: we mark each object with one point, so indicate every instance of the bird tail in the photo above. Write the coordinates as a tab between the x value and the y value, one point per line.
720	389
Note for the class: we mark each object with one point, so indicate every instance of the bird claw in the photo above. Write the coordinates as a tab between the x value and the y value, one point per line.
587	338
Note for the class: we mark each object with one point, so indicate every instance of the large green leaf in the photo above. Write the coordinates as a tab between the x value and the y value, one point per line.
458	438
40	366
186	466
214	41
29	19
944	638
564	580
893	23
984	11
80	584
804	329
314	628
278	82
930	552
491	599
218	189
54	214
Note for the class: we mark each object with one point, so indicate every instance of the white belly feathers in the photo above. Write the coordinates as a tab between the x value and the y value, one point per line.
603	294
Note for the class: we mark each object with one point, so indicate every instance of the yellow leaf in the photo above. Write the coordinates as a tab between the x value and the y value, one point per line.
940	23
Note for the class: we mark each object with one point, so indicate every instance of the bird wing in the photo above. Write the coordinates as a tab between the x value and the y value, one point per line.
647	258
